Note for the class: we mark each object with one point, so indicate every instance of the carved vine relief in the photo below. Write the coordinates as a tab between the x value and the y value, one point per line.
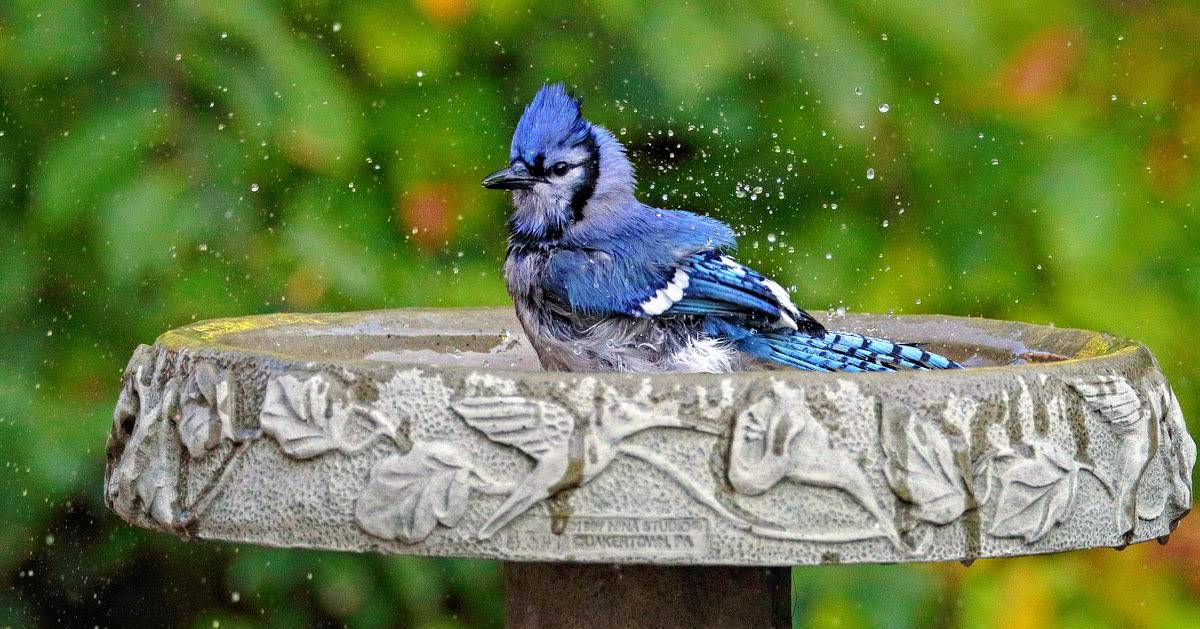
1017	476
170	412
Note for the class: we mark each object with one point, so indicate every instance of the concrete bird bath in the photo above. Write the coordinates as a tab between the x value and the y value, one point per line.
626	499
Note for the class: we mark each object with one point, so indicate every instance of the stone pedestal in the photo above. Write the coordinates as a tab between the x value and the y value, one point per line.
434	432
613	596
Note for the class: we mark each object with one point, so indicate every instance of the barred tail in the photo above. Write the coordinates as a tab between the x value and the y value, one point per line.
841	351
835	351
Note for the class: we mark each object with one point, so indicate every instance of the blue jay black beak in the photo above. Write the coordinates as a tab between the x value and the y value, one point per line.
515	177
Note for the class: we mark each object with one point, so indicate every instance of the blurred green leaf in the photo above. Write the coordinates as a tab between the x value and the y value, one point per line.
99	153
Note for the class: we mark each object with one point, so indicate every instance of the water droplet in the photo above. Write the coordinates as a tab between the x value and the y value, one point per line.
883	109
253	187
870	173
828	255
235	596
883	36
337	26
858	91
1113	98
420	73
937	100
995	161
980	136
49	540
771	237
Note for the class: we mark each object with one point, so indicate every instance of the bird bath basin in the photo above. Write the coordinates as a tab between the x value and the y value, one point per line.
434	432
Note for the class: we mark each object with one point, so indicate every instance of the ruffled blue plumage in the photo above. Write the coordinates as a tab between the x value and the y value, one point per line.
602	281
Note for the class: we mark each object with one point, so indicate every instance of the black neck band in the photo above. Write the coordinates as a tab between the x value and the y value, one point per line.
587	187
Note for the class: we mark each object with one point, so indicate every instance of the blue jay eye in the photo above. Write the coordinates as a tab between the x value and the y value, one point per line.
560	169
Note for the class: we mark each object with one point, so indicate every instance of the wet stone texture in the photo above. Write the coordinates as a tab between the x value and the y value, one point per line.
435	433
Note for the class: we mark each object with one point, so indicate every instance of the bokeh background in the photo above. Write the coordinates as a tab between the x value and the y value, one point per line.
166	161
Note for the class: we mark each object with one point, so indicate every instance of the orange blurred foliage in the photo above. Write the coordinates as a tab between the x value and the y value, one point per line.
445	13
1040	69
428	209
1182	552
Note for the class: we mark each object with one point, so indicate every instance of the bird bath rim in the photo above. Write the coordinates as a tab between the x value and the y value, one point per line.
266	430
230	335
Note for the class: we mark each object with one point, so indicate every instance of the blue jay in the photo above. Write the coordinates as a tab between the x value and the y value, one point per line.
603	282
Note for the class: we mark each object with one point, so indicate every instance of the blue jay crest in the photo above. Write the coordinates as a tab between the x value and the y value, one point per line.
552	120
603	282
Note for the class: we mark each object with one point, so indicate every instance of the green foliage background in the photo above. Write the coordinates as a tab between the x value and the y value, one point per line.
163	161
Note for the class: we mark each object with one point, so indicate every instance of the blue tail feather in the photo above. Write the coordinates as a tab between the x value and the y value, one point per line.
835	351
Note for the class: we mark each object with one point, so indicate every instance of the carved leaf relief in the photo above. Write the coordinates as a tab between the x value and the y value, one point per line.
308	420
1035	494
929	477
207	411
300	416
156	490
408	495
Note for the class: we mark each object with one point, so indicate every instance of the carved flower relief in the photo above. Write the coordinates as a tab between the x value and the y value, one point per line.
207	411
778	438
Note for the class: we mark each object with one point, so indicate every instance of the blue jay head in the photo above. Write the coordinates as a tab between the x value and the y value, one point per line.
555	165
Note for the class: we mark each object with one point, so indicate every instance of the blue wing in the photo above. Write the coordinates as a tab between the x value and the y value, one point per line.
669	263
716	284
704	283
